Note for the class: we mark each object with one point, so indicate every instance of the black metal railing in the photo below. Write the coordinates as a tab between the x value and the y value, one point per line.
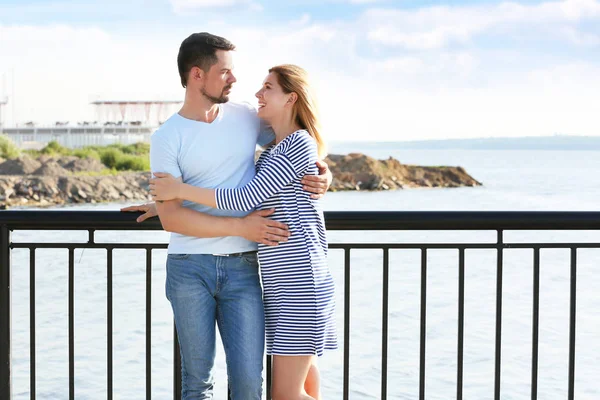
499	222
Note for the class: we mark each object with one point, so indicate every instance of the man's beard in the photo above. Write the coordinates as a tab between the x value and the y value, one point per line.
217	100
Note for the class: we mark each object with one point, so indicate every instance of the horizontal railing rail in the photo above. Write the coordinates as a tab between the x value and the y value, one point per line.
335	220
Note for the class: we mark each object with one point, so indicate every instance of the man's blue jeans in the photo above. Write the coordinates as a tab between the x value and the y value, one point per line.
202	289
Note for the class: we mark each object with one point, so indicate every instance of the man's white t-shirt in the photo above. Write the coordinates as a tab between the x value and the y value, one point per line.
215	155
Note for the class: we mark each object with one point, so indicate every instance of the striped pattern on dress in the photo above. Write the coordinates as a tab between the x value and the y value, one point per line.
298	286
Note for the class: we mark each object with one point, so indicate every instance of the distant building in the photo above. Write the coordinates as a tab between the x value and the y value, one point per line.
123	122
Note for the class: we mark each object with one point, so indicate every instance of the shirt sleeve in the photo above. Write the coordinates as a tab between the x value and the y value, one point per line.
265	135
275	173
163	155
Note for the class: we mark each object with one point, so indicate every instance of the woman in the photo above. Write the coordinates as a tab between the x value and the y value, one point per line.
298	287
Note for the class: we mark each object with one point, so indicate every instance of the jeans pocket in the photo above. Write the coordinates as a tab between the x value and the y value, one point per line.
251	259
178	256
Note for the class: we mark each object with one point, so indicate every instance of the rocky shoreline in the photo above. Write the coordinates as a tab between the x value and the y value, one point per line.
48	181
360	172
56	190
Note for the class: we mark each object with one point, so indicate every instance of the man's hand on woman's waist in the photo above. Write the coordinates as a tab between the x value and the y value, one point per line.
318	184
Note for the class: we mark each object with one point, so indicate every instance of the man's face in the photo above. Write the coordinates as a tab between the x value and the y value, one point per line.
219	79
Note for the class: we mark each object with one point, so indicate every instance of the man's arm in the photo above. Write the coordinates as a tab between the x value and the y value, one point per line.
255	227
176	218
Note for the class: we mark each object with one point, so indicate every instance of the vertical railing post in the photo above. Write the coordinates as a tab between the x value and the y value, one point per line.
535	334
423	331
176	366
5	377
498	352
384	322
148	324
572	321
461	324
346	388
269	375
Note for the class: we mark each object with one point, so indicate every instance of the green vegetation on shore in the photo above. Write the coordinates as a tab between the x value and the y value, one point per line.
7	148
116	157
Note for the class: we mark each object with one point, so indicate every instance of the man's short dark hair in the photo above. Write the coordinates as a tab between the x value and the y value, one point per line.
200	50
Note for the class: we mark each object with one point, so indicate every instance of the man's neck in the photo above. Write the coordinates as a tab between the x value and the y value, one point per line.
198	108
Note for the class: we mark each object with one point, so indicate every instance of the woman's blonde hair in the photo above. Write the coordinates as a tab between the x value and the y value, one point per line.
294	79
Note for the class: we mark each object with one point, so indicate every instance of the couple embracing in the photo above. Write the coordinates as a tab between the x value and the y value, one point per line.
227	215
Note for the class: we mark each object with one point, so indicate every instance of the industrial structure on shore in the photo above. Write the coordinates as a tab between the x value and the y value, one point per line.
117	121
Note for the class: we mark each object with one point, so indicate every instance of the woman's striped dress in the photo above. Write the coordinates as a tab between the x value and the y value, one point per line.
298	287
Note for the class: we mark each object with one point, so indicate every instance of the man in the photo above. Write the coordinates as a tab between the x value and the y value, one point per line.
212	270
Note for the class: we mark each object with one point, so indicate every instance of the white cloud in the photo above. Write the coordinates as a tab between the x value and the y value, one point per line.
579	9
581	39
438	27
401	65
303	20
363	1
181	6
432	39
367	91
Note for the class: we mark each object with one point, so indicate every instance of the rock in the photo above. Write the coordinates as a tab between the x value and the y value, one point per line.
113	195
22	189
51	168
44	158
360	172
23	165
64	160
84	165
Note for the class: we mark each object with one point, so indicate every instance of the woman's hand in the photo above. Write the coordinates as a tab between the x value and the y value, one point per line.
165	187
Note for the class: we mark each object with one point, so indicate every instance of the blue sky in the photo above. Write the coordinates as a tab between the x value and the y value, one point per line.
401	69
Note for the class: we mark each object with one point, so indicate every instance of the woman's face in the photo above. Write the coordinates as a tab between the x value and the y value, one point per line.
271	99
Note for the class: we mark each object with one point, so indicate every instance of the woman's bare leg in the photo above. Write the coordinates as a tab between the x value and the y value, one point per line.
289	376
312	385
